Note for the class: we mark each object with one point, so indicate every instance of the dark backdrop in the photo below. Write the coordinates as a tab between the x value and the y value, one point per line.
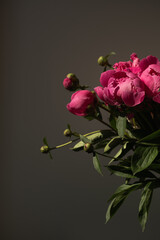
41	41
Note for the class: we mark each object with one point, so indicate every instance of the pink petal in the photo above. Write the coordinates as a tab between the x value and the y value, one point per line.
105	76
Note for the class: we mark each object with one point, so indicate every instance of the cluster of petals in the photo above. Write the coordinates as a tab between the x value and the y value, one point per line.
129	82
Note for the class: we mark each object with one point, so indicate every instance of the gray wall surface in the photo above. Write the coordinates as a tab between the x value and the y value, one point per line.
41	41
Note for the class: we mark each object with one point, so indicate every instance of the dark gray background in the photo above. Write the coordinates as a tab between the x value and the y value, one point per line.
41	41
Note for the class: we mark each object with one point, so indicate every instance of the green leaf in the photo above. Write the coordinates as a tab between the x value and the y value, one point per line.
96	164
114	206
84	139
68	126
112	121
121	126
125	189
89	118
101	144
121	171
118	198
152	138
143	157
111	54
122	152
45	141
50	155
94	138
145	204
112	143
155	167
145	174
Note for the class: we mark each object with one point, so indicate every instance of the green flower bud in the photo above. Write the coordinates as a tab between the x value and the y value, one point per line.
44	149
72	76
102	61
88	147
67	133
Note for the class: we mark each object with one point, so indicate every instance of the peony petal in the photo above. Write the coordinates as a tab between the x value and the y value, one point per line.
105	76
157	98
130	96
99	91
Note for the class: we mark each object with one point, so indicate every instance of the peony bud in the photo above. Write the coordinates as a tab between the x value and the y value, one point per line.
72	76
102	61
44	149
71	82
88	147
67	133
81	101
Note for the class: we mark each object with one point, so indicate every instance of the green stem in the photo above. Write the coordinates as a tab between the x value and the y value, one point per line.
103	106
106	124
101	154
67	143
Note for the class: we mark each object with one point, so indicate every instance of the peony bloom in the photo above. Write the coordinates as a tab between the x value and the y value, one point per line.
81	101
151	78
136	66
120	87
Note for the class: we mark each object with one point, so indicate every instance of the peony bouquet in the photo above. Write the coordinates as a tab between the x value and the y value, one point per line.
130	93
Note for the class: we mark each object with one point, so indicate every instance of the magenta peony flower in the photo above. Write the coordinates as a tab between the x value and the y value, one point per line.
120	87
81	101
151	79
137	66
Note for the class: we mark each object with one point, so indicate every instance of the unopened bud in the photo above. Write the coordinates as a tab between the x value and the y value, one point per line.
71	82
102	61
44	149
72	76
88	147
67	133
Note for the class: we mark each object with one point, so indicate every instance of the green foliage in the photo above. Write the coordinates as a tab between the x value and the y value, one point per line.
96	164
122	151
112	121
94	138
121	126
121	171
151	138
45	141
114	142
143	157
85	139
118	198
145	204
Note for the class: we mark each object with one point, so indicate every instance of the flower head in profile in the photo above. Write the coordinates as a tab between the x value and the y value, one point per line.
82	102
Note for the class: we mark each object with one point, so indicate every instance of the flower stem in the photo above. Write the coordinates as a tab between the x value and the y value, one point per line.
103	106
104	155
67	143
106	124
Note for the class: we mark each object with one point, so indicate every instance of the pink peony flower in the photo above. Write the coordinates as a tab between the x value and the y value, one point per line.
137	66
151	78
120	87
81	101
